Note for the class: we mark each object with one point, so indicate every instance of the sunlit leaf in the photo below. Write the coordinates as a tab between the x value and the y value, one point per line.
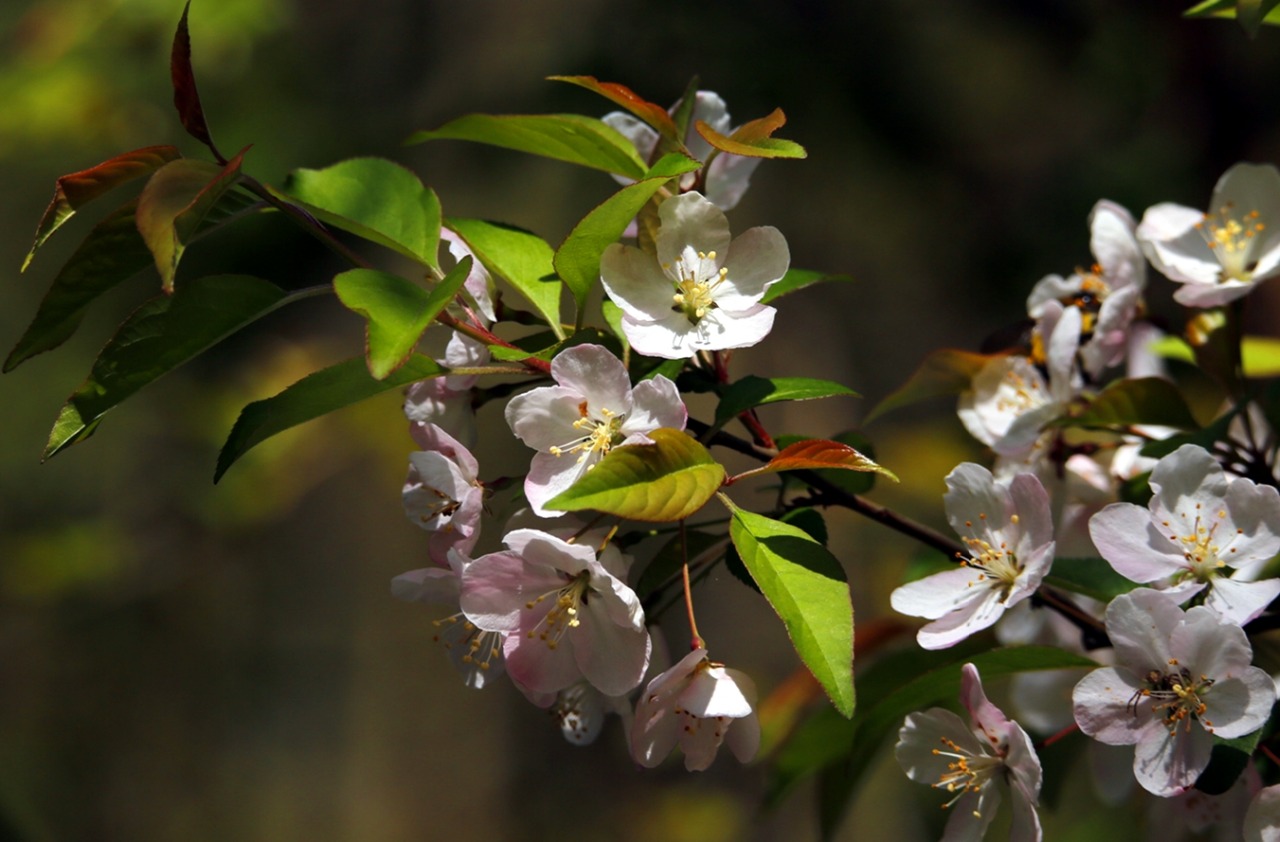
796	279
817	453
754	139
77	189
664	481
946	371
1143	400
1092	577
174	205
376	199
584	141
397	311
1172	347
185	96
158	337
518	257
807	588
315	395
1260	356
1251	14
752	391
577	260
652	113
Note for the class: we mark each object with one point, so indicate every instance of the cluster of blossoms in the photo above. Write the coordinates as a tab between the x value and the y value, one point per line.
1180	671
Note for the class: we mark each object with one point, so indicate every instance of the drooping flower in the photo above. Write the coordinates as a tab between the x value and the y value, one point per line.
1008	531
1219	256
478	286
591	410
1200	530
1180	678
975	763
446	401
727	176
442	493
565	612
699	704
701	292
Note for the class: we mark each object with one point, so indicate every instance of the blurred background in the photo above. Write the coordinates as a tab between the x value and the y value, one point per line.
185	661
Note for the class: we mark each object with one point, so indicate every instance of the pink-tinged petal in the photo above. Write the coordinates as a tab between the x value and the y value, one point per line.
642	137
435	585
971	816
1169	765
937	595
974	501
655	403
1114	245
757	258
548	476
1106	708
700	740
1187	476
1239	602
612	658
595	373
543	418
711	692
477	285
1051	288
1212	293
433	437
539	667
1254	510
1253	187
1207	645
979	614
1132	542
1031	503
1262	819
1170	239
674	337
464	352
1026	774
1139	624
924	732
497	586
724	329
635	282
654	735
690	221
728	178
1026	821
1240	705
621	604
989	722
1060	353
743	737
540	548
1035	566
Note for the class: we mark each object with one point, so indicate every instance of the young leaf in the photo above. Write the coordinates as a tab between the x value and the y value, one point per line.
77	189
113	252
158	337
752	391
664	481
397	309
572	138
817	453
520	258
652	113
185	96
1260	356
807	588
376	199
577	260
174	204
946	371
754	139
316	394
1143	400
798	279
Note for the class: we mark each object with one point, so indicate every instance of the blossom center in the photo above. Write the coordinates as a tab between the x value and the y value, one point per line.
563	613
1020	393
966	771
1231	239
483	647
997	564
1176	696
695	285
1201	545
600	433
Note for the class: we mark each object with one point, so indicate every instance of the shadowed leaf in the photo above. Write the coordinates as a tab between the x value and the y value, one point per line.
754	139
752	391
185	96
796	279
1143	400
518	257
945	371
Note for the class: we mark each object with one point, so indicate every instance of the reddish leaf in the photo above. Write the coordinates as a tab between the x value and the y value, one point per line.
652	113
77	189
754	139
185	96
817	453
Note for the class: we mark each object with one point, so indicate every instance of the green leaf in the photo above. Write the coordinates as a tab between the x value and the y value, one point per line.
1092	577
752	391
812	454
798	279
77	189
112	253
807	588
1228	760
545	346
376	199
518	257
1260	356
946	371
754	139
651	113
1124	403
584	141
158	337
664	481
174	205
1250	13
578	258
1172	347
319	393
397	309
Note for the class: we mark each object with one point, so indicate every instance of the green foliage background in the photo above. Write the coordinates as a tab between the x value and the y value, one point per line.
179	661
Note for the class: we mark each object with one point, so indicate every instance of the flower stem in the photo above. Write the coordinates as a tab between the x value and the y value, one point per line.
696	641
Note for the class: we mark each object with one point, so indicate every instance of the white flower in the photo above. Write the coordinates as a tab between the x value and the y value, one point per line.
591	409
700	704
1008	531
442	494
1200	530
701	292
478	285
1180	678
1219	256
725	179
1262	819
974	763
446	401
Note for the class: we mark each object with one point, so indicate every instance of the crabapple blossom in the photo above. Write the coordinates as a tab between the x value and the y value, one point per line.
699	704
1219	256
446	401
725	179
1008	531
442	494
591	409
565	612
478	285
701	292
1200	530
1180	678
974	763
